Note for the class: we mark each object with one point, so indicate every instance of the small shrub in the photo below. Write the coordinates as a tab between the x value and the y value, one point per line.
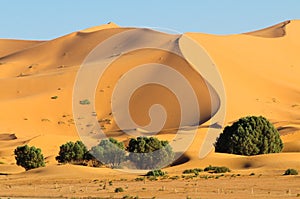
84	102
174	177
54	97
156	173
152	178
29	157
291	172
140	179
216	169
119	189
252	174
195	171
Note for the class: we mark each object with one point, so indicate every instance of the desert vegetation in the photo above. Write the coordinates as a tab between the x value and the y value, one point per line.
149	152
29	157
72	152
291	172
249	136
144	153
110	152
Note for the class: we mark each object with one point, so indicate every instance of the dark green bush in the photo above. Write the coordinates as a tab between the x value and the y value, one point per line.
156	173
291	172
195	171
150	153
109	152
29	157
119	189
249	136
72	153
216	169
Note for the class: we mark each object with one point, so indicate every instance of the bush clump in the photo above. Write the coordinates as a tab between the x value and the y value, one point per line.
109	152
150	153
216	169
195	171
156	173
291	172
29	157
72	153
249	136
119	189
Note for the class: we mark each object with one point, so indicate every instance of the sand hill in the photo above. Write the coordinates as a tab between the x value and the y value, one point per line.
260	72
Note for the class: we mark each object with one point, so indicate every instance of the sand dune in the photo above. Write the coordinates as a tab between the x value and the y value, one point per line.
277	30
260	71
9	46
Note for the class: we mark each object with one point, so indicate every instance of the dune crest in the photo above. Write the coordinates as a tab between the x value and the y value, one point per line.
278	30
101	27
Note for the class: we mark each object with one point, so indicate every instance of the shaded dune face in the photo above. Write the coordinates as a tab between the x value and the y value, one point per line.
149	95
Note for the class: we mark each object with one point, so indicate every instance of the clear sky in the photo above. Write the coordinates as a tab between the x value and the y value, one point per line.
41	19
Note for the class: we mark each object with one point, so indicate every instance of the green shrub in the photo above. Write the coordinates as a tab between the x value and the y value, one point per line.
140	179
72	153
195	171
174	177
291	172
109	152
119	189
216	169
29	157
156	173
84	102
249	136
150	153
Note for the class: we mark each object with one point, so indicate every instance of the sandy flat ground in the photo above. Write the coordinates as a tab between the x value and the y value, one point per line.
260	72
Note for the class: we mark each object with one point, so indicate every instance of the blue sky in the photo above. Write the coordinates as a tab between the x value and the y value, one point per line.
36	19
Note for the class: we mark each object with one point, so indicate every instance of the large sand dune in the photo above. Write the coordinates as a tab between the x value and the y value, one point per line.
260	72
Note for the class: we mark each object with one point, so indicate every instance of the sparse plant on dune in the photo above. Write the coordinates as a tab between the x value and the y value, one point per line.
119	189
216	169
195	171
29	157
291	172
156	173
249	136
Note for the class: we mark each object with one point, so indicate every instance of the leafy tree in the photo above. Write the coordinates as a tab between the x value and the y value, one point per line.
249	136
29	157
72	153
109	152
150	153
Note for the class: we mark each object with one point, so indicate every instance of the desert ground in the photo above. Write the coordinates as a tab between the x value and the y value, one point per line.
260	72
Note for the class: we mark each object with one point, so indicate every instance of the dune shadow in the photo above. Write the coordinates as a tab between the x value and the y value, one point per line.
181	160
